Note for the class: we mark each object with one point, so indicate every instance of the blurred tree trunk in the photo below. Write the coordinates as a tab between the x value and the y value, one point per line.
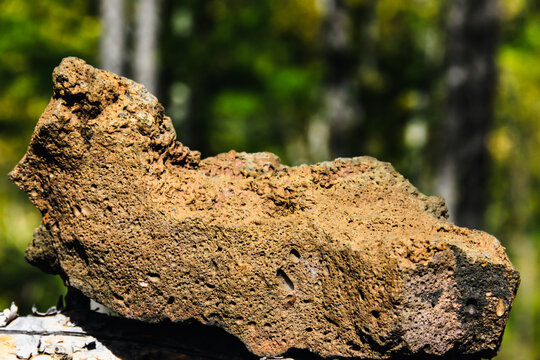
145	42
339	112
471	76
197	131
112	39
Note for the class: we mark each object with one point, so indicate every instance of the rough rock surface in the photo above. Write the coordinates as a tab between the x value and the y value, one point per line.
344	258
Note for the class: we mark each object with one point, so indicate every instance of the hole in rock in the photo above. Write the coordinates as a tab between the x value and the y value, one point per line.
375	314
471	301
290	300
471	306
77	210
331	321
79	249
285	281
353	346
295	255
170	300
118	296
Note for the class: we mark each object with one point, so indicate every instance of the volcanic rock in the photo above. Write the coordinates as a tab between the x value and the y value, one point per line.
343	258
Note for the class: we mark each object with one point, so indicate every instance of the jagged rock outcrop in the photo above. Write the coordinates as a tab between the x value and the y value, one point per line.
344	258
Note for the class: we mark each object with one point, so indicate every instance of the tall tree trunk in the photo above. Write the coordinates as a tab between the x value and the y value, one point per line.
471	76
146	35
339	111
112	38
202	87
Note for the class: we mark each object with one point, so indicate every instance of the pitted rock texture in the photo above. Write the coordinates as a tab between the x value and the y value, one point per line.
344	258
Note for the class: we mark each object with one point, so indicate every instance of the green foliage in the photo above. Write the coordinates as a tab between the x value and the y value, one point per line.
36	35
515	149
250	66
256	72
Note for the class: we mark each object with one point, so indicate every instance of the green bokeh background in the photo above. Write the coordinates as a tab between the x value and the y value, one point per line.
249	75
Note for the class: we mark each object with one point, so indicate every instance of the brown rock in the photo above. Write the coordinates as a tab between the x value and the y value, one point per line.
342	258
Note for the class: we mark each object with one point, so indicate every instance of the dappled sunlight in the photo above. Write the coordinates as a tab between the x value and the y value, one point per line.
308	80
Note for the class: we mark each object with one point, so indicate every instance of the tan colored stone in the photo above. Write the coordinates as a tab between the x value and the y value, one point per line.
342	258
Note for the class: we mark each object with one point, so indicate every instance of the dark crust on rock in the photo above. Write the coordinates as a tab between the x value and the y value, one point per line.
343	258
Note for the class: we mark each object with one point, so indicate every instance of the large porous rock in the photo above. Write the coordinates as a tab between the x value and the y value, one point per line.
342	258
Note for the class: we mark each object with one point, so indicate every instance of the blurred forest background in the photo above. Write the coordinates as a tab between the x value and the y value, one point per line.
447	91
